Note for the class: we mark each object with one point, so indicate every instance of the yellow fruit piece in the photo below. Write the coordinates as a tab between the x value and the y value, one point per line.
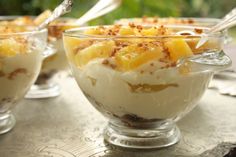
150	32
135	55
209	45
99	50
126	31
94	31
178	49
71	42
10	47
72	45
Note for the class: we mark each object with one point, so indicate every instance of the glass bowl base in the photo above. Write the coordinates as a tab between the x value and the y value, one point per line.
7	122
143	138
43	91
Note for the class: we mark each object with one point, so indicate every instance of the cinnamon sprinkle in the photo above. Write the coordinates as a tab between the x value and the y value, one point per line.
14	74
198	30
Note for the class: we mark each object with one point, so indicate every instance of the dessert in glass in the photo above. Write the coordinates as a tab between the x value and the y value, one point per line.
21	57
53	65
45	86
143	78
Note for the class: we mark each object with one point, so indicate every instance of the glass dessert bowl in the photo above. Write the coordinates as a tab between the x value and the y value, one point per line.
21	57
45	86
143	79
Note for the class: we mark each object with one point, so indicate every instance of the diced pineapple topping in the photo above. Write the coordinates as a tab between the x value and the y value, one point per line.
73	45
150	32
10	47
178	49
99	50
121	53
133	56
127	31
94	31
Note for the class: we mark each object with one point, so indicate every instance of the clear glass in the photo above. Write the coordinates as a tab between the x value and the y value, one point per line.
21	57
142	104
194	21
54	63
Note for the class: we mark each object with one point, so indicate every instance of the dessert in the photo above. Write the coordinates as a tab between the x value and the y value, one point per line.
142	79
137	72
20	63
56	62
45	87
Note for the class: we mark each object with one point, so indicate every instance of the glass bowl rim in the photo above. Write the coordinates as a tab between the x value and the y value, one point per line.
196	19
69	32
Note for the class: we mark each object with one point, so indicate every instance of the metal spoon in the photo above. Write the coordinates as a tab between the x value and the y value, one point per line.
102	7
62	9
228	21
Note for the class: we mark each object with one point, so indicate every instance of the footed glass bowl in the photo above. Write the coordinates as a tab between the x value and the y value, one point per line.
143	79
21	57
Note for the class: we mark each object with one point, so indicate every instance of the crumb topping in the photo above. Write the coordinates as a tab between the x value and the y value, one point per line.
16	72
158	21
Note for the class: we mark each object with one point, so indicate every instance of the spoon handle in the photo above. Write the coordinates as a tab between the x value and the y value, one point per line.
230	18
63	8
100	8
226	25
232	12
228	21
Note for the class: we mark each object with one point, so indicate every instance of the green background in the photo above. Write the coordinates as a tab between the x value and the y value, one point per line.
129	8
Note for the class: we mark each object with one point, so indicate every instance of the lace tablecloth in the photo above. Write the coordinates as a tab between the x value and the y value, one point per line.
68	126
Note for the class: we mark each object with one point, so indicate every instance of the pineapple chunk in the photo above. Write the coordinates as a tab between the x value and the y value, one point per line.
150	32
94	31
134	56
99	50
126	31
209	45
73	45
10	47
178	49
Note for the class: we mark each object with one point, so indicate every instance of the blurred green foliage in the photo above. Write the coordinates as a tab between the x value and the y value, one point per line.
129	8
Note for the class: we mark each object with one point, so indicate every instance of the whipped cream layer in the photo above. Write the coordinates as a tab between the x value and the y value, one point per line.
162	94
17	74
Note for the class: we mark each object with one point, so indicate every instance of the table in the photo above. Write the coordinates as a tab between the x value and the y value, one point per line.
68	126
